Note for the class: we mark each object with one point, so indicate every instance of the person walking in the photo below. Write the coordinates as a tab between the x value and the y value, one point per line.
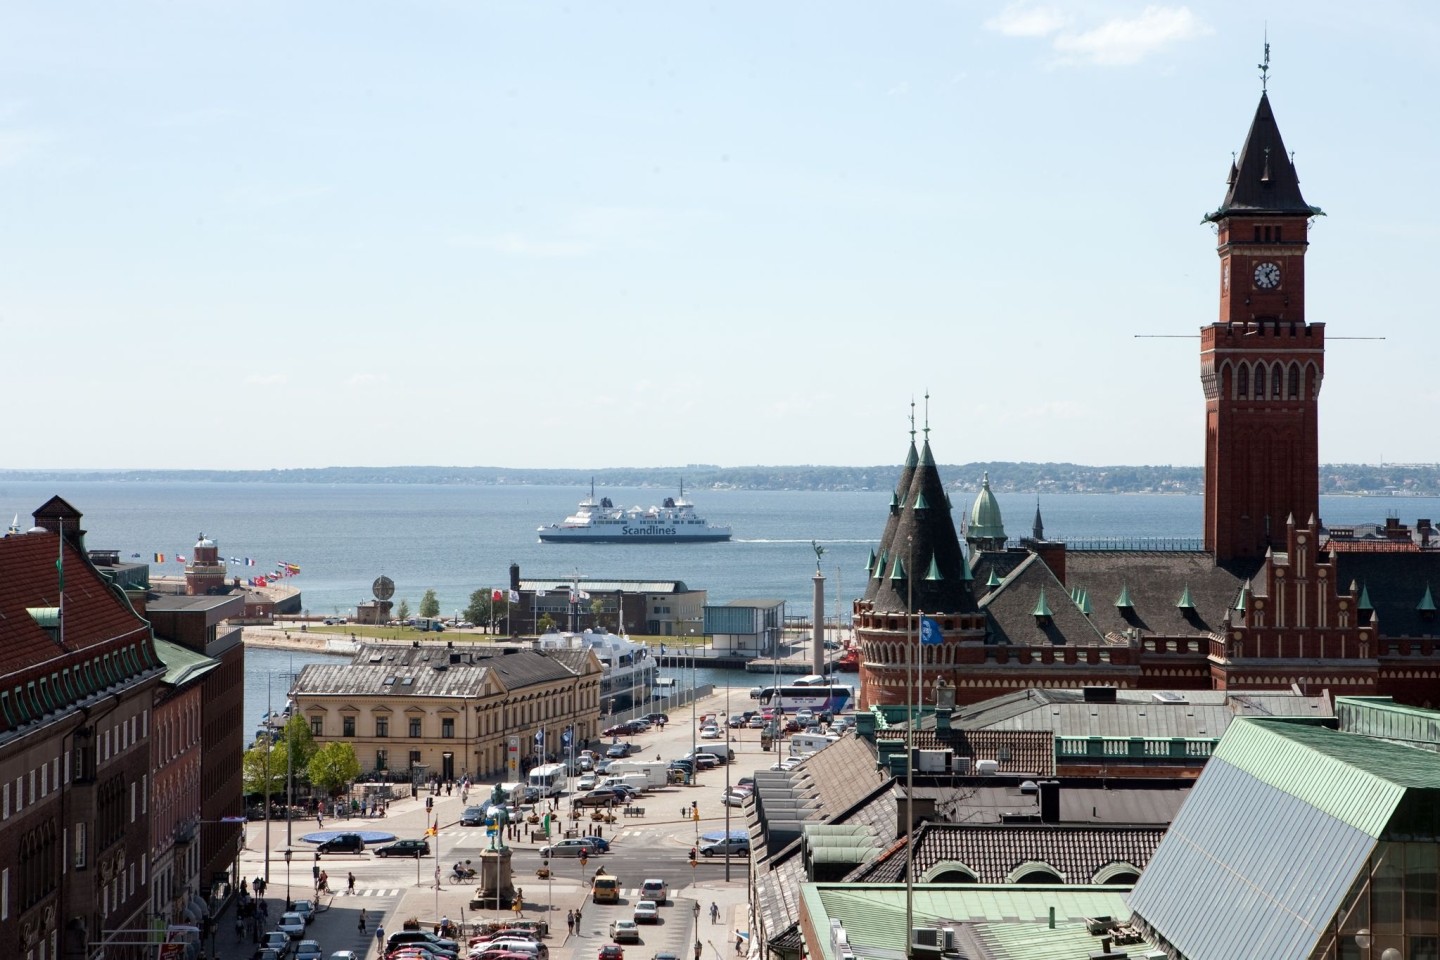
362	921
714	912
380	940
315	871
351	886
570	921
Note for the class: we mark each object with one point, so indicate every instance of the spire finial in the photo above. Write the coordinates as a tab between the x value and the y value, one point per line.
912	420
927	416
1264	65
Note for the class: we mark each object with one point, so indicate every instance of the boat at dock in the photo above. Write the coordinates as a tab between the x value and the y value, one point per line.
629	669
674	521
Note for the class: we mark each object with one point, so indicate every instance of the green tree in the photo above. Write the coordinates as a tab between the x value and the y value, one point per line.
300	743
261	765
481	606
403	611
333	767
546	624
429	605
597	607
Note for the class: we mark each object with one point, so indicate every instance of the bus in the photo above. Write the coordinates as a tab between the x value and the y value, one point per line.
819	698
549	780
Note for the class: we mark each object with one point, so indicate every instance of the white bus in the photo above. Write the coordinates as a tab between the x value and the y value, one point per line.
549	780
828	698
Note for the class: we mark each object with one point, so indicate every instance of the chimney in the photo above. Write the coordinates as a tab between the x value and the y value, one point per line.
515	577
1049	801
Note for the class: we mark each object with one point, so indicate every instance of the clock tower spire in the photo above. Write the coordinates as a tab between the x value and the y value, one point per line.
1262	362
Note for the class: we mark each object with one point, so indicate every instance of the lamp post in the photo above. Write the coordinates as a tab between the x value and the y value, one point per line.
288	902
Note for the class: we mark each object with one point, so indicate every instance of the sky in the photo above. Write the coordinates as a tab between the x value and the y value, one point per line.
587	234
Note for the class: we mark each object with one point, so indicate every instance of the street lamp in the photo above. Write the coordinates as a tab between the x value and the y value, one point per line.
288	902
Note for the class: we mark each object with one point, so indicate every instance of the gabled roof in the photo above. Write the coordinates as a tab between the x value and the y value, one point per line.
1263	180
1013	608
1155	582
1395	585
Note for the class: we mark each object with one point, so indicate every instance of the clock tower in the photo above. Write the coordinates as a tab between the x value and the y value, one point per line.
1262	363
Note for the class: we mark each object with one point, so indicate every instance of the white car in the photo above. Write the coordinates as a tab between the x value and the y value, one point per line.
291	924
647	912
308	950
624	931
710	732
587	782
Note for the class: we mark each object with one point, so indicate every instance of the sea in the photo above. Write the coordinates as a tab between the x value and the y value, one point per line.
456	539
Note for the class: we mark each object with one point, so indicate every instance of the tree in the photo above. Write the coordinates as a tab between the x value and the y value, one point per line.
333	767
481	606
261	765
546	624
429	605
597	607
300	742
403	611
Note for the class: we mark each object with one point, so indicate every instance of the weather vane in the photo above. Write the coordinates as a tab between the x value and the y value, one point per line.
1265	65
819	552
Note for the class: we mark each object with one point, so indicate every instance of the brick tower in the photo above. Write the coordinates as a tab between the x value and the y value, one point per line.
1261	363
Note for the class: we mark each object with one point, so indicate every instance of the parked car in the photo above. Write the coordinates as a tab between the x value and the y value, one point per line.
600	844
292	925
570	848
736	798
595	798
308	950
657	890
658	717
624	931
277	940
611	951
587	781
736	720
646	911
756	722
623	729
639	725
473	817
404	848
306	909
706	761
342	843
617	751
732	845
711	732
402	938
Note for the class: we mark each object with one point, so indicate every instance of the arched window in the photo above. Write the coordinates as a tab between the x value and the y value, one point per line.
1242	381
1276	381
1294	391
1259	381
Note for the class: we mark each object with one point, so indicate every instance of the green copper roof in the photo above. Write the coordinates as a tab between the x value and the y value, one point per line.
934	572
994	580
985	522
870	564
920	503
897	572
1365	598
1083	602
1185	602
48	617
1355	779
880	564
894	499
1123	601
1427	602
1042	609
1244	597
965	573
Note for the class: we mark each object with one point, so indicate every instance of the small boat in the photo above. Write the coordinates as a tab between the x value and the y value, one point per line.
849	661
674	521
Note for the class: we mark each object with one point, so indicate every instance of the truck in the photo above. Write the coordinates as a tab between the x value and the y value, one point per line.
654	771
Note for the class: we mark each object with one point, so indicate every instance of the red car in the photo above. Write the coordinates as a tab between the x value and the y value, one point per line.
611	951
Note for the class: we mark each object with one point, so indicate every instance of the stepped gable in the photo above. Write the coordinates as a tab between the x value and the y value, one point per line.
925	565
1263	180
1030	588
1154	584
907	476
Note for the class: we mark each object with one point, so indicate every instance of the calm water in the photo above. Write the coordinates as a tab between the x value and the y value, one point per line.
456	540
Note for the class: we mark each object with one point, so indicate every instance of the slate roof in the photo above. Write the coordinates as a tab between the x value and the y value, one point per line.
892	521
1396	583
1263	180
1012	606
1156	581
923	565
426	671
1015	751
1079	853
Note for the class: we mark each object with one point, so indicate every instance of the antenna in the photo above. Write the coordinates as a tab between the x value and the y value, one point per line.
1265	64
927	416
912	419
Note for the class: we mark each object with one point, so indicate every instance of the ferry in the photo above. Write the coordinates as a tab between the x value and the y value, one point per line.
674	521
629	669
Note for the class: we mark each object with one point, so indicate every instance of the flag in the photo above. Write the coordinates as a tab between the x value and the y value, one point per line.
159	558
566	737
497	596
291	568
584	595
60	564
249	562
573	597
929	631
179	558
540	738
514	596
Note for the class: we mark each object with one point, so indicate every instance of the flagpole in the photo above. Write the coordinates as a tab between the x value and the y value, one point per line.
910	750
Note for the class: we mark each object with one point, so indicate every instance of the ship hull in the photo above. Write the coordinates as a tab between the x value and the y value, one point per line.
640	536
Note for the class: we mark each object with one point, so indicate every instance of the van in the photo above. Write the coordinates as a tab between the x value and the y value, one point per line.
720	752
605	889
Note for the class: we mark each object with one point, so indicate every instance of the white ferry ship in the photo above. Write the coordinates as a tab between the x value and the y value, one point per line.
674	521
629	670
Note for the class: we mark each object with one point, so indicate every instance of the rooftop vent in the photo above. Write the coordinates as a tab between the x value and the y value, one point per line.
932	940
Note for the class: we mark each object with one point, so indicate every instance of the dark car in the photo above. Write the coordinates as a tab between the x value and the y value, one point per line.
342	843
658	717
618	750
683	765
404	848
595	798
619	730
473	817
402	937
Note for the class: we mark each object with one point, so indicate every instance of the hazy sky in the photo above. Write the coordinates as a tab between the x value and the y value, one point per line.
247	235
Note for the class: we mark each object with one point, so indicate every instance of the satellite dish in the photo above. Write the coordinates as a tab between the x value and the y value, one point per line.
383	588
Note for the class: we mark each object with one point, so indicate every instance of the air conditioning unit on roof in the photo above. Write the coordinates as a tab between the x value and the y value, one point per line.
933	939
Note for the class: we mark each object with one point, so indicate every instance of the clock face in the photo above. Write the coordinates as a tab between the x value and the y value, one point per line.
1267	276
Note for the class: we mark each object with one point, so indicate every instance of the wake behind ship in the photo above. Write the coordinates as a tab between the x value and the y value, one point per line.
674	521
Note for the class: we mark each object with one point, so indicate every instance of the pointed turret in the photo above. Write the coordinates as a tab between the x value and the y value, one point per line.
1263	180
1037	529
924	545
897	506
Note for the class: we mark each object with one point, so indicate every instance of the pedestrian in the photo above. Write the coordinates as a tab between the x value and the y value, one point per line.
714	912
362	921
351	889
315	871
570	920
739	942
319	816
380	940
